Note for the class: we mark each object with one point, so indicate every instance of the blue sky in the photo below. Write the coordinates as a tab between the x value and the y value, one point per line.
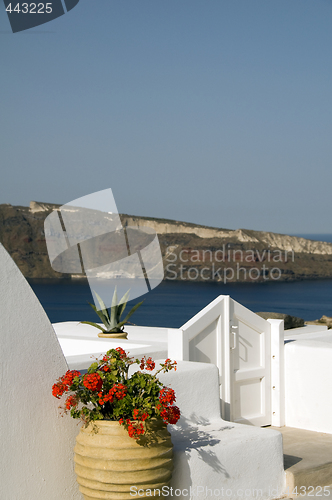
216	112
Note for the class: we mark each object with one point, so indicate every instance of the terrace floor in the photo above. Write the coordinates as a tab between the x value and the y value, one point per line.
307	462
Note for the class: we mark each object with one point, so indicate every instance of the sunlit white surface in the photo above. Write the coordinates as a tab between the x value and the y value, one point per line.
72	347
80	343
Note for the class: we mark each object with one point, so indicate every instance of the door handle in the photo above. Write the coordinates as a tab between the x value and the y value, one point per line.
234	339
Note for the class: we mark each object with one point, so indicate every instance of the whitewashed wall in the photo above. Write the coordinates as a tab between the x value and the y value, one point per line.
212	457
308	382
36	460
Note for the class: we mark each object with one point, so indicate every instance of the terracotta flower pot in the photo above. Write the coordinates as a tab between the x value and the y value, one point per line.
121	335
110	465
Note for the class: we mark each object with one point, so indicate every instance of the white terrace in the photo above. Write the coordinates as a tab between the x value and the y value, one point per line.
226	355
266	376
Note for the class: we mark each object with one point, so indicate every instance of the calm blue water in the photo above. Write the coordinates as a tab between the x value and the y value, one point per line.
318	237
173	303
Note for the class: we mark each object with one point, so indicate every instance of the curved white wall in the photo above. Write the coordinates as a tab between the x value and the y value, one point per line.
36	459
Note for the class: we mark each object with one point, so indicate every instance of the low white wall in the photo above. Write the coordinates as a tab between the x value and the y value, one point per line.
308	382
214	458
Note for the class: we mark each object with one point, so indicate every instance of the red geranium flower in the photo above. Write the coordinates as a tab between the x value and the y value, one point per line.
167	396
107	391
93	381
170	415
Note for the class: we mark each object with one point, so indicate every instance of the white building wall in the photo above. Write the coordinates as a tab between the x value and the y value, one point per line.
308	383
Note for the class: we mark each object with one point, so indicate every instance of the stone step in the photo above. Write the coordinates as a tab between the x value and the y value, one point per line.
307	462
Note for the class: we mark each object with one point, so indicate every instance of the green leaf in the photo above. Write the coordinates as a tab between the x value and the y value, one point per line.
136	306
102	305
114	308
92	368
101	315
123	303
94	324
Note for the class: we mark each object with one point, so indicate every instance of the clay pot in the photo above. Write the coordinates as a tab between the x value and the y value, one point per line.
121	335
110	465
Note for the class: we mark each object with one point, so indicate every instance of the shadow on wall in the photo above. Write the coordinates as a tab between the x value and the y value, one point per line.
189	435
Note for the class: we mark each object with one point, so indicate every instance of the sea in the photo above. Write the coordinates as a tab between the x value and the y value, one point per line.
172	303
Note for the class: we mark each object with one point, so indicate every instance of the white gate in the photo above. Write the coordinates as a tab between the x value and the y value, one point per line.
238	341
250	367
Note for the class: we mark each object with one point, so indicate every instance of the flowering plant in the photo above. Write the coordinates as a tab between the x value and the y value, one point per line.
106	392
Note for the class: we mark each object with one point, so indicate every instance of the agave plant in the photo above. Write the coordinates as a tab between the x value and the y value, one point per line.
112	321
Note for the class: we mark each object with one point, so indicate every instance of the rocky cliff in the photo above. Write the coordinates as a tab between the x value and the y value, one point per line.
190	252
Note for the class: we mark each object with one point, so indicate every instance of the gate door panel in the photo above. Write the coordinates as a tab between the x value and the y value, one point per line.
250	353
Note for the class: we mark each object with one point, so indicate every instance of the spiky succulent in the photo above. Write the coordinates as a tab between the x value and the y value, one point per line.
112	320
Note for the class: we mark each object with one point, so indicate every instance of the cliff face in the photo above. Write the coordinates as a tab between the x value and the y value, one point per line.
281	241
22	235
190	252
